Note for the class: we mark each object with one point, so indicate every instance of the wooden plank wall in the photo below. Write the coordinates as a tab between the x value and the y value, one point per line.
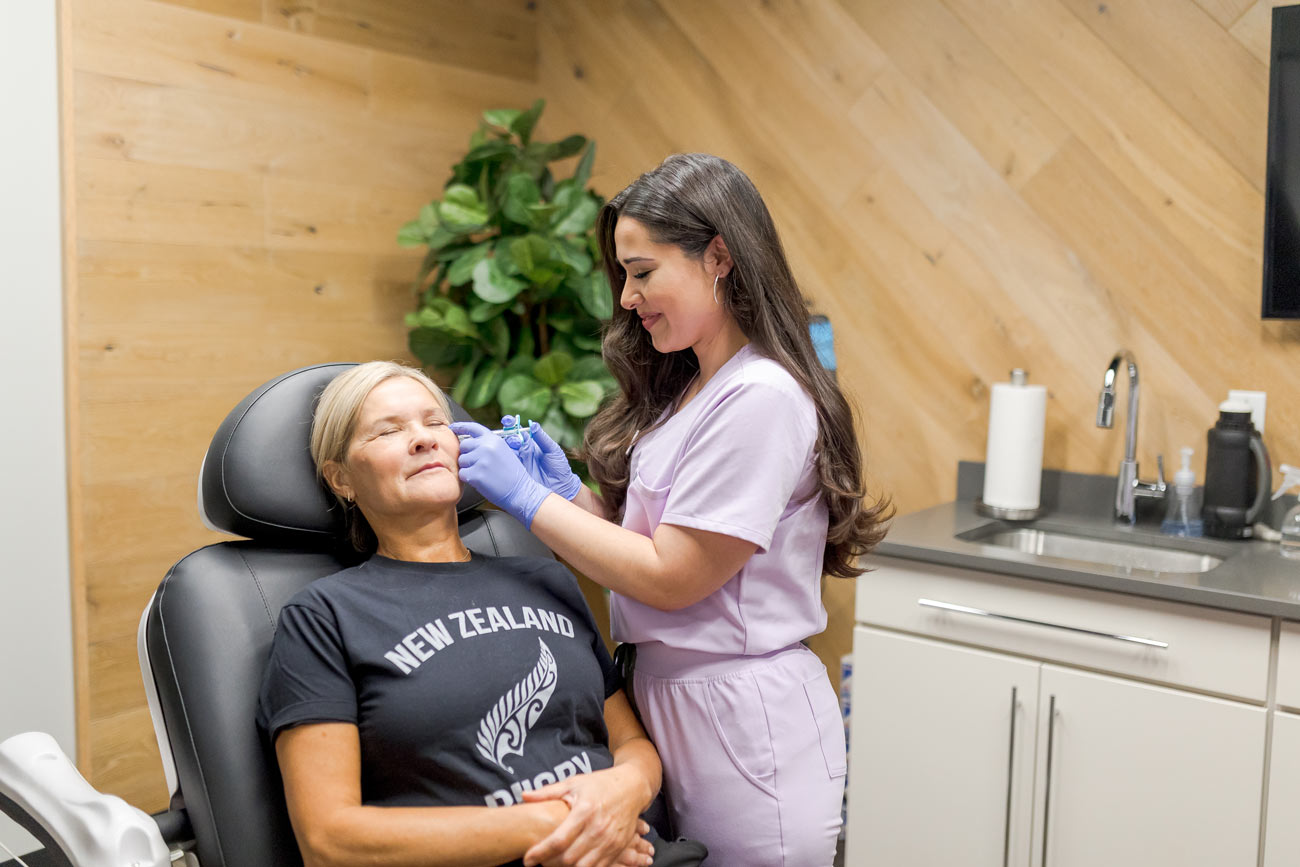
967	186
236	174
964	186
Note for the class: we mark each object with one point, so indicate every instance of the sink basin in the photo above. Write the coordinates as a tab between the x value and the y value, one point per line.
1128	557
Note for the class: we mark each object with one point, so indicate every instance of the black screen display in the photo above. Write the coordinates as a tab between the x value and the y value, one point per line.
1282	188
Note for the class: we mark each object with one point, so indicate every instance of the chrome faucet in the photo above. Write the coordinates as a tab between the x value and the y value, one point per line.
1128	485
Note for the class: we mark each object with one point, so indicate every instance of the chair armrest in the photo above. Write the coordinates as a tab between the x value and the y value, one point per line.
174	825
70	818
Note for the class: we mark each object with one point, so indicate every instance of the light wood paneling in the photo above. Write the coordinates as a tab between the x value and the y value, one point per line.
963	186
497	36
235	186
966	186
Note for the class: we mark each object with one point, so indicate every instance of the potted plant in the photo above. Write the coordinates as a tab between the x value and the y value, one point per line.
511	302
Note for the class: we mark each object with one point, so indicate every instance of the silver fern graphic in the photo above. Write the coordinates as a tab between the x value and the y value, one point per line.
503	730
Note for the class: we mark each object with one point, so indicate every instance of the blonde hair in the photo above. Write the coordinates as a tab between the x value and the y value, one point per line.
335	422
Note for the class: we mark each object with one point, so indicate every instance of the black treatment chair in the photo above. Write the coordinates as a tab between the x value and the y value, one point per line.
204	640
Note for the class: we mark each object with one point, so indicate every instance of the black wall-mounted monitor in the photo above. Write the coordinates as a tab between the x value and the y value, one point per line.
1282	185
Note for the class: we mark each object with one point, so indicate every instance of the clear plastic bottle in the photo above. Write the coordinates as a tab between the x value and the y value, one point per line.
1290	529
1183	518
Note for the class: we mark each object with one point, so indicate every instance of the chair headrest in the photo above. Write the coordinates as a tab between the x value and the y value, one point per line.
258	479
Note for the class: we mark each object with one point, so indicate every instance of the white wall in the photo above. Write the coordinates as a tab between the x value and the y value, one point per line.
36	685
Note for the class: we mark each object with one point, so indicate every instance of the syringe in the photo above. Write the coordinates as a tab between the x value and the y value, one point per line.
509	428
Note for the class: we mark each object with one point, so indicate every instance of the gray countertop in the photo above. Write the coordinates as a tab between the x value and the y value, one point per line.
1253	577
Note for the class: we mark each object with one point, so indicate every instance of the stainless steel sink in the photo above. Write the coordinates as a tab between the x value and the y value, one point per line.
1129	557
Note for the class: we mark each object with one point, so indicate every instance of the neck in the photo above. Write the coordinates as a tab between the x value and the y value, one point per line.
716	350
428	537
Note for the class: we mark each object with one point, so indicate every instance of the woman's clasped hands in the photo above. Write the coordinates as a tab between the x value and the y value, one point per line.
603	828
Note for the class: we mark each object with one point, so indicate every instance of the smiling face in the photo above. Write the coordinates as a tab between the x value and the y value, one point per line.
671	292
402	457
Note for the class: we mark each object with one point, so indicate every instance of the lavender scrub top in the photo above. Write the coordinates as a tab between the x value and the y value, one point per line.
738	460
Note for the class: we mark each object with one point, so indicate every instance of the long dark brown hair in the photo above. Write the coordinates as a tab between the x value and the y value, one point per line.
688	201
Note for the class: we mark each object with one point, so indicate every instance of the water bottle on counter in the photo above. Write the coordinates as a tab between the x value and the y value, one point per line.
1290	529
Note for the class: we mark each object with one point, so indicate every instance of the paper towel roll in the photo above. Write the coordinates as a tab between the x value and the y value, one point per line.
1013	467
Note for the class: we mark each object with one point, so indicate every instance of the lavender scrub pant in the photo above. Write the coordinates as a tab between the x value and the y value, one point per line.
753	752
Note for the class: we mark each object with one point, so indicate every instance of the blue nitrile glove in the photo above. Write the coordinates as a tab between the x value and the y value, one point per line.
489	464
546	462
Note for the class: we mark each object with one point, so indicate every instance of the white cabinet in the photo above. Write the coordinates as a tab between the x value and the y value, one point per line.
1282	831
946	770
1141	774
942	754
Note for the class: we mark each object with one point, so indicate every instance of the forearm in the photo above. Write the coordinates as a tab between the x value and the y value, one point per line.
427	836
639	755
589	502
622	560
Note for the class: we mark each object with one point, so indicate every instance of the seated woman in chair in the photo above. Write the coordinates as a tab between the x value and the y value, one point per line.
432	706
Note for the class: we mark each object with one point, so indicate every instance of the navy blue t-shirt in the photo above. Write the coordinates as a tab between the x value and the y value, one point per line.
469	683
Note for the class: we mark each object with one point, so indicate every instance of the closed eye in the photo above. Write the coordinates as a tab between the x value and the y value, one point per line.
641	275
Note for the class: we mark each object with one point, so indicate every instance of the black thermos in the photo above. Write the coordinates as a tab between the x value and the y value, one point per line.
1237	474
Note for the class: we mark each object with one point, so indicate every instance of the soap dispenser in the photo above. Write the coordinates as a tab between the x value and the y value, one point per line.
1184	515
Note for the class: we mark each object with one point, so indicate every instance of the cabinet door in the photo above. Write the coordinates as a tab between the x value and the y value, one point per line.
1282	832
1143	775
941	752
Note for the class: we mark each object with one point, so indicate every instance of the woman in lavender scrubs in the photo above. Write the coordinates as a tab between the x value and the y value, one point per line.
731	480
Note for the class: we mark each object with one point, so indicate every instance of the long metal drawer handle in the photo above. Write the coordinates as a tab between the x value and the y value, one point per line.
1047	787
962	609
1011	773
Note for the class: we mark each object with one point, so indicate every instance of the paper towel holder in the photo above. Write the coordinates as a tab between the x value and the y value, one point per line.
1019	377
1004	514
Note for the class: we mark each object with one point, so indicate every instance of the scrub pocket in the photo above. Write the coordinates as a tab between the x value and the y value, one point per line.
736	709
830	724
644	507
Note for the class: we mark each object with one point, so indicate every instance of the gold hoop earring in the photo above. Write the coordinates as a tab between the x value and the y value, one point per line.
715	289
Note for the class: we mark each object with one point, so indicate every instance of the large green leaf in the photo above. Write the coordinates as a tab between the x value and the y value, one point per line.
412	234
443	314
583	172
462	269
553	367
591	366
466	378
482	311
595	295
428	218
498	339
461	209
522	364
501	117
490	150
521	193
560	427
493	286
562	149
522	125
524	396
571	254
456	320
588	342
486	383
578	219
581	399
525	347
436	349
531	256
